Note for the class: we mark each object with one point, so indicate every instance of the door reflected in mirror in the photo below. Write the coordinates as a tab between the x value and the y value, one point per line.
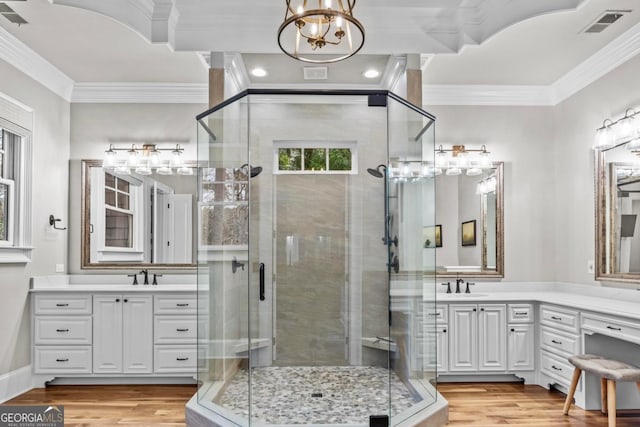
131	219
469	211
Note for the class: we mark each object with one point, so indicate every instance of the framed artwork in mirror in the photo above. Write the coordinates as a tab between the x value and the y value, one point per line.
432	236
469	233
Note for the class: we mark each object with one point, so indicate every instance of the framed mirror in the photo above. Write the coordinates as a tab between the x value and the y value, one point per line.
133	220
468	236
617	212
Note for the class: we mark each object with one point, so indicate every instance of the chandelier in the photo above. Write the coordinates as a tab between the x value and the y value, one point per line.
459	159
143	160
322	32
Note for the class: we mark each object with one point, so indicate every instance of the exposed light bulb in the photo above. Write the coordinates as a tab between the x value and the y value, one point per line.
314	29
300	10
327	4
339	22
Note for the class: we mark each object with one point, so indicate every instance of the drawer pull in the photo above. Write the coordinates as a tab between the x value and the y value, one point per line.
62	305
556	318
182	329
613	328
62	330
556	342
434	314
556	368
521	313
182	305
62	360
182	359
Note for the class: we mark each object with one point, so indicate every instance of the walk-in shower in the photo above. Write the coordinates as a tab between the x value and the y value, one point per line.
324	324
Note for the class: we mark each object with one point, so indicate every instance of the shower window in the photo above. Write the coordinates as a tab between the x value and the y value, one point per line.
315	157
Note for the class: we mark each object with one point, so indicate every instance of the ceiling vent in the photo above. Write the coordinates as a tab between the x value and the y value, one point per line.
11	14
316	73
603	21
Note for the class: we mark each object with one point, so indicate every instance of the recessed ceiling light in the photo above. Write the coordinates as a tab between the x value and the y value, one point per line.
258	72
371	74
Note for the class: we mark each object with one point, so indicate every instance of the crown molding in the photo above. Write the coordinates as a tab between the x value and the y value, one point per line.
25	59
141	93
611	56
486	95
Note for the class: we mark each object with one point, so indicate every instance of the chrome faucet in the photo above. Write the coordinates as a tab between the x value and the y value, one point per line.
146	276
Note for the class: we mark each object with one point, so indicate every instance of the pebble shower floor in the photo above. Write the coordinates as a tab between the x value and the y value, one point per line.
317	395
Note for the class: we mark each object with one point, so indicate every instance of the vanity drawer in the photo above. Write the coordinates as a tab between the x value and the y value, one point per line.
559	343
175	304
62	304
557	368
175	359
520	313
175	329
560	318
62	330
437	314
612	327
62	360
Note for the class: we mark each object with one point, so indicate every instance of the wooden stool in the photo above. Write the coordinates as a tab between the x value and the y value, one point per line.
609	371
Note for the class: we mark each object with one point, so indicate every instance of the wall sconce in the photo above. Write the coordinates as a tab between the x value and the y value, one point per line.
457	159
625	130
143	160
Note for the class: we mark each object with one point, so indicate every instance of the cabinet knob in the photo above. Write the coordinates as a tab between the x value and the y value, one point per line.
482	309
475	309
126	300
513	330
444	331
117	299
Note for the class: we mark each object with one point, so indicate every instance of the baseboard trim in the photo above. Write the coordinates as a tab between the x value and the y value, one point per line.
15	383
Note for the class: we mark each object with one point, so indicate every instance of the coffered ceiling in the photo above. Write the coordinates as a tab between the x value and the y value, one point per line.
462	42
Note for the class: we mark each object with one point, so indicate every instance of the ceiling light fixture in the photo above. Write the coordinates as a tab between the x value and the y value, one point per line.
144	159
258	72
331	31
371	73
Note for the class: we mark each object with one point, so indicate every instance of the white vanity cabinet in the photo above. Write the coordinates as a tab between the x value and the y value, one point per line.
559	339
520	337
477	339
175	334
142	332
62	339
436	332
122	331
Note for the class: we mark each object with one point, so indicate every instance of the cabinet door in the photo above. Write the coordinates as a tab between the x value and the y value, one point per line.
436	351
137	335
107	334
492	339
463	338
521	348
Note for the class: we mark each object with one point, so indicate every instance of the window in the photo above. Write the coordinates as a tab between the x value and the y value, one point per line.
315	157
16	122
118	213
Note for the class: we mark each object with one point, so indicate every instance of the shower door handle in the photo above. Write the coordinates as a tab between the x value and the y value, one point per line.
262	298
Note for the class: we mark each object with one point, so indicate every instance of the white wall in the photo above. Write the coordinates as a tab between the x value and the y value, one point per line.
95	126
49	196
575	121
522	137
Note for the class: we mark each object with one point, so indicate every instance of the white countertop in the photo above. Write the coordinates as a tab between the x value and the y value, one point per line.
112	283
605	300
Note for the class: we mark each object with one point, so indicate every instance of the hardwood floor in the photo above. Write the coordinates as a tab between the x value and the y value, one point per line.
509	404
133	405
475	405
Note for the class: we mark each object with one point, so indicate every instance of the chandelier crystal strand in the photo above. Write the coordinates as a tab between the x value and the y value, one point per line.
323	26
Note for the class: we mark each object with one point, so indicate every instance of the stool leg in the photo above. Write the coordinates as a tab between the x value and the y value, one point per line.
611	399
603	395
572	390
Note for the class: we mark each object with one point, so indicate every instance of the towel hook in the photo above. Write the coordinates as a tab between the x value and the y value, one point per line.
52	222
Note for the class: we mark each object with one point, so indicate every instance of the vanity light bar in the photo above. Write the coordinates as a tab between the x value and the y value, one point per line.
144	159
456	159
625	130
